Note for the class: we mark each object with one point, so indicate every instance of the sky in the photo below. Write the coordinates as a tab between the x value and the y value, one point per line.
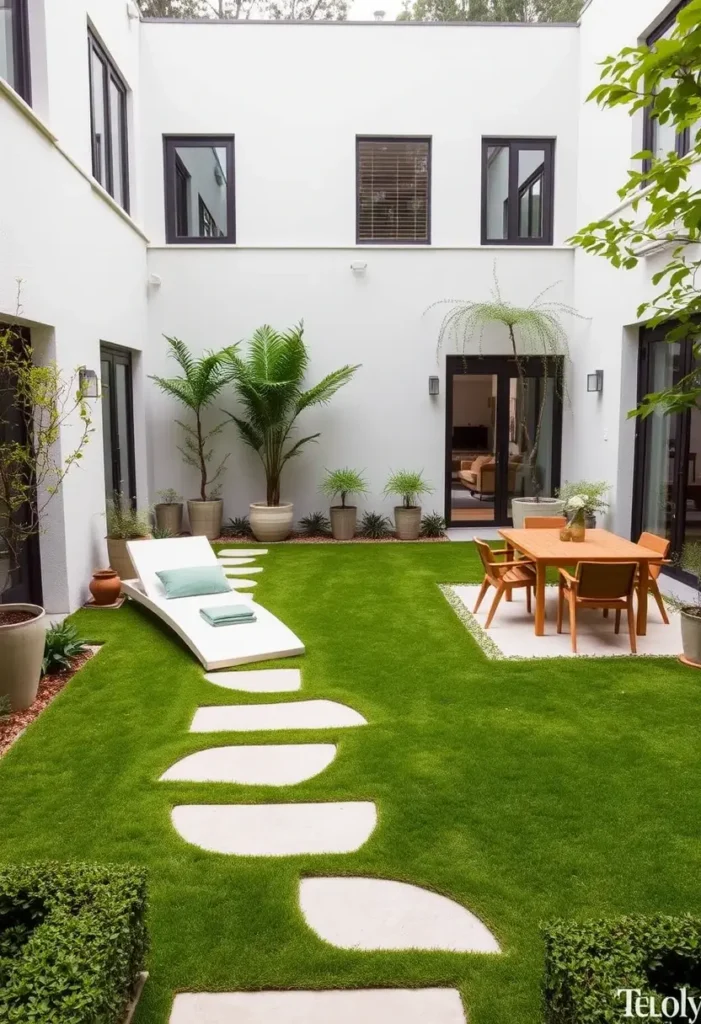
364	10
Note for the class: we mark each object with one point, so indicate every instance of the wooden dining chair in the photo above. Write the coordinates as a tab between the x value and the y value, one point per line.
598	585
544	522
505	577
661	545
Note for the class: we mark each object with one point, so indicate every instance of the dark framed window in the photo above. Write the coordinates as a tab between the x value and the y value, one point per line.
200	196
118	423
14	47
108	120
517	191
662	139
393	190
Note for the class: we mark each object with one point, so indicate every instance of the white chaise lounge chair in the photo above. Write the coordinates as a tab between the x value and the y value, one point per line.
220	647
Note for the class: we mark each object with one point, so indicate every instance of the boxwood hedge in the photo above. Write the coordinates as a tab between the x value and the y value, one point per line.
586	965
73	941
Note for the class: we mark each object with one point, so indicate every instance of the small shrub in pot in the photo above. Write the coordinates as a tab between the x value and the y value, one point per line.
593	493
343	517
169	513
124	522
409	486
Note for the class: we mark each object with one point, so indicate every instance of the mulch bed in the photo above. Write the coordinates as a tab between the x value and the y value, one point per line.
14	724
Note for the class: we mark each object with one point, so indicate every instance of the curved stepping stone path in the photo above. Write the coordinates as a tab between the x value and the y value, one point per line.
235	561
276	830
374	914
371	1006
237	584
231	572
242	552
262	680
284	765
302	714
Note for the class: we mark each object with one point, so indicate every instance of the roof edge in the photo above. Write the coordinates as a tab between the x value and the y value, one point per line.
380	24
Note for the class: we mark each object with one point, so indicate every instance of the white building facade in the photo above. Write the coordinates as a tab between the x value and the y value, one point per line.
199	179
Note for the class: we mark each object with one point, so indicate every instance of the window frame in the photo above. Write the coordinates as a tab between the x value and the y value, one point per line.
110	75
22	83
683	139
515	146
170	155
428	139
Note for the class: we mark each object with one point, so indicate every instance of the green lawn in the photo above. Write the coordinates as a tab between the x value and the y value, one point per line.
524	790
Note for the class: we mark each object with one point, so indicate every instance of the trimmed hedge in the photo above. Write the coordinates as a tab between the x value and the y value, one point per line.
585	965
73	942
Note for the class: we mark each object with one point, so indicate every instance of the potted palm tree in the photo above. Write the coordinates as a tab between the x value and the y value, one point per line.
36	403
343	517
269	382
201	381
408	486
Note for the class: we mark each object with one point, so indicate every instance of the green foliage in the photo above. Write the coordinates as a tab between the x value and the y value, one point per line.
315	525
586	964
161	532
5	706
269	384
374	526
61	646
200	383
32	469
124	522
73	941
688	561
592	492
344	482
292	10
492	10
407	485
433	525
239	526
169	497
665	208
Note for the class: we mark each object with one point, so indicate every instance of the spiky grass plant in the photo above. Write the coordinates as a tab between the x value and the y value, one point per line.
407	485
534	330
374	526
239	526
344	482
432	525
315	525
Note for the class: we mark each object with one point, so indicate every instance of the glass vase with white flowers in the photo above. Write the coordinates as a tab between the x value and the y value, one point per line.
576	510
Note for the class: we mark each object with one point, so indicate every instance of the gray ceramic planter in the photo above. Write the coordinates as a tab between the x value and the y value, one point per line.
691	638
21	655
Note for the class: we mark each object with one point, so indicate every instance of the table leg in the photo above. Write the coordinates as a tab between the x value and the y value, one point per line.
643	584
539	599
509	558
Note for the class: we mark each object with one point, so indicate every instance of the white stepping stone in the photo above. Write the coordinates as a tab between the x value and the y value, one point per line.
230	571
371	1006
375	913
276	830
254	766
238	584
235	561
264	680
242	552
301	714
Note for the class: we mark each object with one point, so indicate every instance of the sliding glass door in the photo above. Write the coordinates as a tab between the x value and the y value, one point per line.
496	418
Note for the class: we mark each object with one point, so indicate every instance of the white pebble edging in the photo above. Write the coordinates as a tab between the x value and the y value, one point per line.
282	765
375	913
276	830
301	714
371	1006
242	552
264	680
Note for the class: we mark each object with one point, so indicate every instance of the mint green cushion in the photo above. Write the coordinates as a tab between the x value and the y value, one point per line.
194	581
228	615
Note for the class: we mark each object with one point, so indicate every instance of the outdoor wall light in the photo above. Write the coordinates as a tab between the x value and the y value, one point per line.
595	381
88	383
359	268
434	386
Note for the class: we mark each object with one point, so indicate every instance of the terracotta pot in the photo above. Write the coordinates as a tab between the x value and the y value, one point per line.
21	655
522	507
170	517
343	521
119	557
691	639
407	522
105	586
205	518
271	522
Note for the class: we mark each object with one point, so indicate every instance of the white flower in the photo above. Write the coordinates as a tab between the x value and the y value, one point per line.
576	502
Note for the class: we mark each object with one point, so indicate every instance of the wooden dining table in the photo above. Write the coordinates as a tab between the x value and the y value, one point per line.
545	549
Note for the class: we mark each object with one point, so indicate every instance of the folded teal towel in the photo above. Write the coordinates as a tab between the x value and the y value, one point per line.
228	614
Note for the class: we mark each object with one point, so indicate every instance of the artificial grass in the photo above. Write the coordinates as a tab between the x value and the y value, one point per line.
524	790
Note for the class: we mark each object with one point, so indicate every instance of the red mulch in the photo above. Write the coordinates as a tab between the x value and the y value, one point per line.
50	686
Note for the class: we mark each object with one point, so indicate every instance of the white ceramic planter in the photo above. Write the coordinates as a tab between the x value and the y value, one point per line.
343	521
21	655
522	507
407	522
205	518
270	523
691	638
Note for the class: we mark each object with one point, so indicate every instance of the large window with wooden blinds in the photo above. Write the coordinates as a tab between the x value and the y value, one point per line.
393	191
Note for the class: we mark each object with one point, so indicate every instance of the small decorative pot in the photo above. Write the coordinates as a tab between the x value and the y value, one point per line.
21	653
170	517
691	639
578	531
205	518
522	507
119	556
407	522
343	521
590	522
271	523
105	586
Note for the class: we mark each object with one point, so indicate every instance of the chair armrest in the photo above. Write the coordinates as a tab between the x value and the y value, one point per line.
521	563
570	581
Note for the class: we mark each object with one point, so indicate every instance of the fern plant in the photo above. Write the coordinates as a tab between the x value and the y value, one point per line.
343	482
200	383
61	646
269	382
315	525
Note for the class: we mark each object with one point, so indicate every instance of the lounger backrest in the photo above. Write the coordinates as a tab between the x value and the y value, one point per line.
150	556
